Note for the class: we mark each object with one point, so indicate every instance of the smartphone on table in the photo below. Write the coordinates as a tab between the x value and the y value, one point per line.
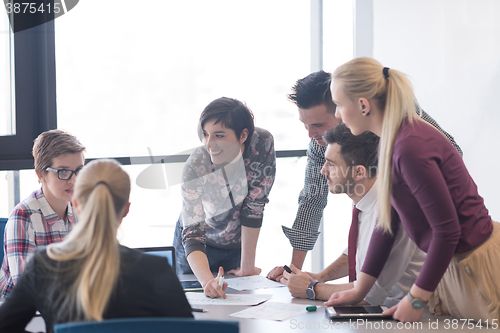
356	312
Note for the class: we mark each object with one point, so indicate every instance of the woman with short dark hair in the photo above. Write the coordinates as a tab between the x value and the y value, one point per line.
225	186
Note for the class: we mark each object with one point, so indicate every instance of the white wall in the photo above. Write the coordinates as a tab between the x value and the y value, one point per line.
451	51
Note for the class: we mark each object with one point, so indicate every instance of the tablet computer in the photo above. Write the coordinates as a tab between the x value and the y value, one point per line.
191	285
354	312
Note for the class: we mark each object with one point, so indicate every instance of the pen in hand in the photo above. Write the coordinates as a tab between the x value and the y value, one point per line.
218	281
221	281
286	268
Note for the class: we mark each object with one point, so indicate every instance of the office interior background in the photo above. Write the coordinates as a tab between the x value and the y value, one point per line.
132	79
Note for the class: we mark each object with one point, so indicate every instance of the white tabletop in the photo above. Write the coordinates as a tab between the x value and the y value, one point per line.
318	322
311	321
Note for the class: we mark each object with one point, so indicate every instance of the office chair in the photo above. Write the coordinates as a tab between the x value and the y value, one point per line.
3	222
150	325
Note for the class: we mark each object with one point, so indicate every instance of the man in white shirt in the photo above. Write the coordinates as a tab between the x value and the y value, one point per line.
351	168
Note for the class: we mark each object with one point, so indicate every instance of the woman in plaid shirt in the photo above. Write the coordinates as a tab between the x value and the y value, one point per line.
46	216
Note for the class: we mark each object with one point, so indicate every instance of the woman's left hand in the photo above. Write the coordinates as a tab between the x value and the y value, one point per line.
241	272
404	311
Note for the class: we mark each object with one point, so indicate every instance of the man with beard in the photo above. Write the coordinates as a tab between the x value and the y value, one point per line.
351	168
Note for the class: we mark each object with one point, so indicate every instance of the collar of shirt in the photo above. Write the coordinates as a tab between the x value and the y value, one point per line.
369	200
48	213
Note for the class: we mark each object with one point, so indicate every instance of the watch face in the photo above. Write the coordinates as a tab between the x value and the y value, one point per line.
310	293
417	304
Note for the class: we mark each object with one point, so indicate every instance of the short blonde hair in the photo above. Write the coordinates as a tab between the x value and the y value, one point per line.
54	143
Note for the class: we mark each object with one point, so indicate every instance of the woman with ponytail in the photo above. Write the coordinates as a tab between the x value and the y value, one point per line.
89	276
424	184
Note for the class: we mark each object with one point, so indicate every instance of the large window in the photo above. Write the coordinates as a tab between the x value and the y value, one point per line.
7	114
139	78
29	58
133	81
7	107
130	84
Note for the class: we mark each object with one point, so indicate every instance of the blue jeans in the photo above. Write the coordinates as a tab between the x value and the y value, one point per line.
227	258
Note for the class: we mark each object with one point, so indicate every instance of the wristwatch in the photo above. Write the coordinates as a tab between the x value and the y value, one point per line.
310	290
417	303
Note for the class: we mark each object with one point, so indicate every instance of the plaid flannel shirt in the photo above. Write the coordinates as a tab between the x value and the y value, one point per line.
314	195
32	223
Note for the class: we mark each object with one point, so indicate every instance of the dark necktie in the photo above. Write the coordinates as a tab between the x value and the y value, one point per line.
352	244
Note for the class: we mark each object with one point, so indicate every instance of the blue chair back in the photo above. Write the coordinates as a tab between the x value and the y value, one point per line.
3	222
149	325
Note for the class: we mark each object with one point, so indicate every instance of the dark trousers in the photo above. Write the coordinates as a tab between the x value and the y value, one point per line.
227	258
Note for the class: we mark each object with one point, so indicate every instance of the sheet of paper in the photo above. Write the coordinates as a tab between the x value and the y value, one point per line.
232	299
272	311
252	282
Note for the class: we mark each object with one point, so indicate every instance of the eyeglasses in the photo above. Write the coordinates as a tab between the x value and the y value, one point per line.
64	174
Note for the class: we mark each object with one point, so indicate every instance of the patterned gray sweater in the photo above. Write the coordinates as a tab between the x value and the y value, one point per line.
217	201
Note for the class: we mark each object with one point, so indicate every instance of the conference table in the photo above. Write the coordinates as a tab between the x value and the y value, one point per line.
315	321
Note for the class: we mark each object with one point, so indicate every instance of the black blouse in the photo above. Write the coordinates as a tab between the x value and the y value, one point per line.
146	287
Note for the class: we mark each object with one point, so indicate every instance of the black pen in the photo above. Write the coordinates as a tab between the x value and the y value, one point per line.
198	310
286	268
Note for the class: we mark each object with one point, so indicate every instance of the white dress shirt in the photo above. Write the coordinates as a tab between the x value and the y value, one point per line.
403	265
